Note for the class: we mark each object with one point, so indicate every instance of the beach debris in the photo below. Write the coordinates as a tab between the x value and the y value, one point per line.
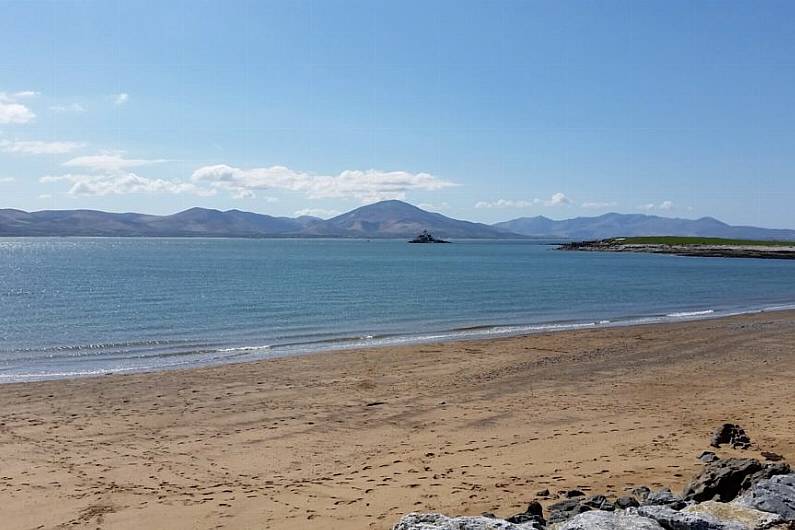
731	434
611	521
708	457
774	495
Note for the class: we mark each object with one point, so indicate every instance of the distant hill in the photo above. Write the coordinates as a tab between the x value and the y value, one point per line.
193	222
400	219
385	219
380	220
616	225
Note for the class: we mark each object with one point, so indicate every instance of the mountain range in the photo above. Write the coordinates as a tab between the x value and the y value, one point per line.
386	219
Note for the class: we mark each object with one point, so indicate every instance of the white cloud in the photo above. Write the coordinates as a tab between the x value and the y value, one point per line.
6	179
124	183
598	205
120	99
664	206
111	162
317	212
71	107
558	199
45	196
368	186
36	147
11	111
25	94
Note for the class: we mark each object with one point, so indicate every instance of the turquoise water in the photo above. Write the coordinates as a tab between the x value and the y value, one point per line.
71	307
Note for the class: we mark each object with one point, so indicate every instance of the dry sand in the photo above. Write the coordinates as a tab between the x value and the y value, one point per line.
352	440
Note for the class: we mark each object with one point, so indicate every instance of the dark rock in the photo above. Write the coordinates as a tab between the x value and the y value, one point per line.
599	502
768	471
708	457
731	434
773	457
641	492
574	493
721	480
542	493
533	514
627	501
564	510
664	497
488	515
774	495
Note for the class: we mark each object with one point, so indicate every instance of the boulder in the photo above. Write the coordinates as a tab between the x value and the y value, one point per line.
437	521
627	501
610	521
599	502
533	514
721	480
664	497
708	457
731	434
565	510
641	492
774	495
673	520
733	513
768	470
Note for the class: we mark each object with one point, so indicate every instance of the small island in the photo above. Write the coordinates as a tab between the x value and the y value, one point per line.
690	246
426	237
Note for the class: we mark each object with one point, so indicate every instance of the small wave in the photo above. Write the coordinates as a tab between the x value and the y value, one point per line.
684	314
245	348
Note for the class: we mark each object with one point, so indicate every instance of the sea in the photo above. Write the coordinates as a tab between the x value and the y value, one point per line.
72	307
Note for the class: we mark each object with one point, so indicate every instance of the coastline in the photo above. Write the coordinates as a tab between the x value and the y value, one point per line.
355	438
785	252
248	354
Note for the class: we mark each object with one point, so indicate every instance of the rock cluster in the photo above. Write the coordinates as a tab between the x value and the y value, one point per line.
731	434
730	494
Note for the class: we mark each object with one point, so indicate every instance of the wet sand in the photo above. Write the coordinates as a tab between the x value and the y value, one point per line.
353	439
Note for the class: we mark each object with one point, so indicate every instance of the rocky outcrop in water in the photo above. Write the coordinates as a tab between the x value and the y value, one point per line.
730	494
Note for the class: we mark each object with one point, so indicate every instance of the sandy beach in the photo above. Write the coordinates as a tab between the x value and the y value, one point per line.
354	439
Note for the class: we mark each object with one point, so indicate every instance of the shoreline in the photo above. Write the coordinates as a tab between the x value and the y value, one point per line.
253	354
783	252
356	438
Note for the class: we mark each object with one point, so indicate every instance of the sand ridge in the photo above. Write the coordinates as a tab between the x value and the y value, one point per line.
354	439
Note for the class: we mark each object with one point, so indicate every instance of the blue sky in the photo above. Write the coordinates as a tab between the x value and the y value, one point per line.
485	110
